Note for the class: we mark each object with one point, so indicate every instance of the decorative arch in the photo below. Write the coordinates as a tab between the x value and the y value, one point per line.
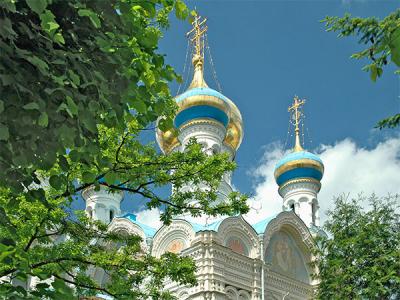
126	226
288	244
231	293
183	295
173	238
238	235
244	295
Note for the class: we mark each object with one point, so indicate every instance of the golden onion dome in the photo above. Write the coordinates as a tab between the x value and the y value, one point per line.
299	164
199	102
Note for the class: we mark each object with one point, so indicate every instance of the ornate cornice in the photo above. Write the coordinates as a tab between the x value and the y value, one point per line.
300	183
90	192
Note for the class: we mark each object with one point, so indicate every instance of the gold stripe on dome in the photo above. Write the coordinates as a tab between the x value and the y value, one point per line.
208	100
299	163
299	180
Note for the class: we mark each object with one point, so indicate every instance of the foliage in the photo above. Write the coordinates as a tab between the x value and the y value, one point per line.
79	81
361	258
69	65
382	40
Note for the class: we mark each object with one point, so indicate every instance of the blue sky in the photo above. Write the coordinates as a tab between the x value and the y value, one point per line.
265	52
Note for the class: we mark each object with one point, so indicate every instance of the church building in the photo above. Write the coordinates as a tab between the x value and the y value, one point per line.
236	259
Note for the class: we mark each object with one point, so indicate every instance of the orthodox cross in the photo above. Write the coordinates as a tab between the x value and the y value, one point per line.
197	33
295	110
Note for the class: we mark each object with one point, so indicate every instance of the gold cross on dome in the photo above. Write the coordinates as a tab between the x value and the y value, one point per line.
295	109
196	34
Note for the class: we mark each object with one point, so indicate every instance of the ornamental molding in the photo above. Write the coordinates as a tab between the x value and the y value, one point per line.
286	284
89	193
207	128
289	221
178	230
238	227
309	184
125	225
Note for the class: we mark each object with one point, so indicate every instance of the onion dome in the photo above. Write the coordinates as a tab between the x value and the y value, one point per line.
299	164
201	103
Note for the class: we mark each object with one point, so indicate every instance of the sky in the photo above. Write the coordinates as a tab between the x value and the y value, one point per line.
264	53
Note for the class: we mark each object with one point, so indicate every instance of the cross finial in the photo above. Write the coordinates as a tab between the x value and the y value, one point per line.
296	114
196	36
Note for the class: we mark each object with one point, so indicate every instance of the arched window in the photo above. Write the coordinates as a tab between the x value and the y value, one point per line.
314	212
292	208
112	214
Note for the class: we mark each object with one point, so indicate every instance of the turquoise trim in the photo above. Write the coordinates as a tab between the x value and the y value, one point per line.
201	91
148	231
211	227
199	112
262	225
299	173
297	156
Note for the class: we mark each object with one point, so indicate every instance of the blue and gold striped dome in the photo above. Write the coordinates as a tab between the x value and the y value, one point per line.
298	164
201	103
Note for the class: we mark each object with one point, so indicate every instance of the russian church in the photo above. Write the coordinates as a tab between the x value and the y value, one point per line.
236	259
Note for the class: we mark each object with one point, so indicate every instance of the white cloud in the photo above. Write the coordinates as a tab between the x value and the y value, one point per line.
150	217
348	169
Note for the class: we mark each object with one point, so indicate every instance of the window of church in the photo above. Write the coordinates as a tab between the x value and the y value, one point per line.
175	246
237	246
292	207
313	212
111	215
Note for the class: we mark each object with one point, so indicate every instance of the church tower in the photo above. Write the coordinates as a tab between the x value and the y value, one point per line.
299	175
204	113
102	205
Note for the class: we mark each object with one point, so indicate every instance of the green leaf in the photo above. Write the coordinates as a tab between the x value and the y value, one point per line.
88	177
56	182
38	6
4	133
74	155
58	38
62	161
165	124
31	106
43	119
395	47
74	77
73	108
39	63
92	16
181	11
1	106
139	105
111	177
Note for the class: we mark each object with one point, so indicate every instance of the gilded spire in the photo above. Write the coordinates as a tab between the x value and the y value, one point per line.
296	115
196	36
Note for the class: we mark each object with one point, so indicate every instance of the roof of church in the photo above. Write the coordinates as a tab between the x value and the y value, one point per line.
148	231
212	226
206	91
260	226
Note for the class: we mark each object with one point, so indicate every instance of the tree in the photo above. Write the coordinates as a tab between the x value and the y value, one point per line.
67	66
79	81
382	40
360	257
